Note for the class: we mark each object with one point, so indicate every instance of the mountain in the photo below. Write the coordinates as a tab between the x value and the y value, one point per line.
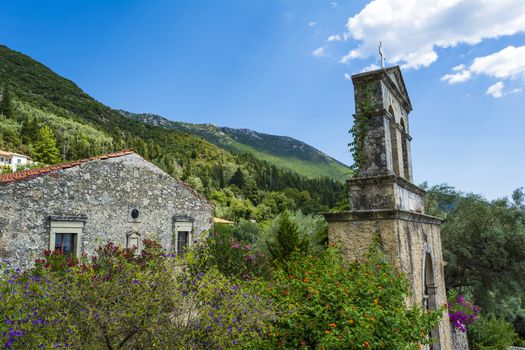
241	171
283	151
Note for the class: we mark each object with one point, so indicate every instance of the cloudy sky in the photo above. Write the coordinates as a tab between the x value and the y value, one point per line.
283	67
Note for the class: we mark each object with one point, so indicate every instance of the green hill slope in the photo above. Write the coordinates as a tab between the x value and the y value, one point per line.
282	151
241	185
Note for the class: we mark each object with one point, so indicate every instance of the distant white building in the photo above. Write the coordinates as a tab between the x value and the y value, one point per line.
13	160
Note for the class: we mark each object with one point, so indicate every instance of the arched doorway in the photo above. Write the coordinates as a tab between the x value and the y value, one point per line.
404	149
429	298
393	142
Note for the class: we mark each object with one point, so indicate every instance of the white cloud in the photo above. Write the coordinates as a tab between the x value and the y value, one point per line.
496	90
335	37
319	52
505	64
349	56
334	4
515	91
455	78
411	30
312	24
348	76
370	68
458	68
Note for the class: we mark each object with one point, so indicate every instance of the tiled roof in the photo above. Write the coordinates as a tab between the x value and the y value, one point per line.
11	154
30	173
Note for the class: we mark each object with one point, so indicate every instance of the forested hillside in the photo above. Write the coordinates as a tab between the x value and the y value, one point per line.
51	119
282	151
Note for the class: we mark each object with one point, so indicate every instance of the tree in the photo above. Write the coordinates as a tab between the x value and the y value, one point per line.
484	246
237	178
287	239
6	104
45	148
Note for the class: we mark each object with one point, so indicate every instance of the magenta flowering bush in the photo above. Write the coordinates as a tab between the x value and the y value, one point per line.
461	312
236	258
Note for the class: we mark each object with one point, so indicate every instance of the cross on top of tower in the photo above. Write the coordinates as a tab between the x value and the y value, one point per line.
381	54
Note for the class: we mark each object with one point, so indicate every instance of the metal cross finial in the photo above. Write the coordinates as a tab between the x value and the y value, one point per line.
381	54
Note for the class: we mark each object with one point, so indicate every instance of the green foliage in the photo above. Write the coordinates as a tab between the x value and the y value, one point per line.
484	246
326	304
362	122
9	134
246	231
281	151
45	149
117	300
237	178
6	103
233	257
286	240
491	334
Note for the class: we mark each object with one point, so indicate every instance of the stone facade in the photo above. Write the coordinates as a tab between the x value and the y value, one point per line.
120	198
384	204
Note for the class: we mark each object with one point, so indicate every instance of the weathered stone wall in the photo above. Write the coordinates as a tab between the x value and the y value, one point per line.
407	237
105	192
384	192
387	149
460	341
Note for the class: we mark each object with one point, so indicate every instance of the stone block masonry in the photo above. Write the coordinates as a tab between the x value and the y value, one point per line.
119	197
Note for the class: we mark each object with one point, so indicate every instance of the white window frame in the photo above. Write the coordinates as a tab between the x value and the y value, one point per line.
66	226
183	226
134	235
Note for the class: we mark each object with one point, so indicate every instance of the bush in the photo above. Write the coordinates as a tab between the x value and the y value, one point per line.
461	312
236	258
119	300
286	239
324	304
491	334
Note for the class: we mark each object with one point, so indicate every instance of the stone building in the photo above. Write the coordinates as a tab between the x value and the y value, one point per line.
79	205
383	201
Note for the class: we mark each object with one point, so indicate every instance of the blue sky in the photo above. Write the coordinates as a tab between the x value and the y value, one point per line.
281	67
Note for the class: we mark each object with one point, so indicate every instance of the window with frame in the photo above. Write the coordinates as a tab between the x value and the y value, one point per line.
133	240
66	234
182	236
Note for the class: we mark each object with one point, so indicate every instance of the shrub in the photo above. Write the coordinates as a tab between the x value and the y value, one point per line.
286	239
323	303
236	258
461	312
119	300
491	334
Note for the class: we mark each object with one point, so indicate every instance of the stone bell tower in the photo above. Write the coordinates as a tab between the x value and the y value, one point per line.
384	202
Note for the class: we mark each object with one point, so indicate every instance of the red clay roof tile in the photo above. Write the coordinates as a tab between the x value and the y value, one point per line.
30	173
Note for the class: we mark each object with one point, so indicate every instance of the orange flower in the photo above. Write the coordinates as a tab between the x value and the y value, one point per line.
332	325
367	344
306	280
351	321
328	331
376	301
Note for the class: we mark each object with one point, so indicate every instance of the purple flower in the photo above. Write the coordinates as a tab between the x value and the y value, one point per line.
136	281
